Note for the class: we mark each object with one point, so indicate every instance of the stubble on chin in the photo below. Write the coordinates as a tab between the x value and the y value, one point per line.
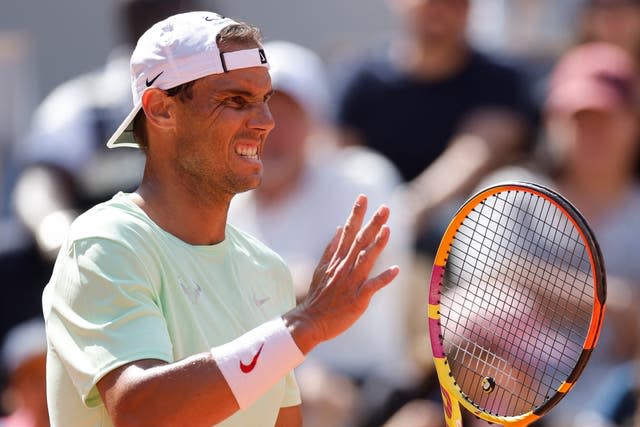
204	186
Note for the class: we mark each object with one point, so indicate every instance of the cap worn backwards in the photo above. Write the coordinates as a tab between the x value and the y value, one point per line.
175	51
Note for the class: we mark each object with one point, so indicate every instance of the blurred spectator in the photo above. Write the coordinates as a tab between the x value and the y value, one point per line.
613	21
65	165
532	34
589	153
433	104
24	357
307	187
537	29
16	73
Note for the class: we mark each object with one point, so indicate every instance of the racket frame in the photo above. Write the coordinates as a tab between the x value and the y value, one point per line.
452	395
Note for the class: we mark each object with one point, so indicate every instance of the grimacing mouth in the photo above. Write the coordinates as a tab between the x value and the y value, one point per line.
248	151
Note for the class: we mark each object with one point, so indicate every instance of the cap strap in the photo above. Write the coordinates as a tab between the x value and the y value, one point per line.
243	59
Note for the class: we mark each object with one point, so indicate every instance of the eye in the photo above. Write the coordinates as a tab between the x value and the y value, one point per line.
237	102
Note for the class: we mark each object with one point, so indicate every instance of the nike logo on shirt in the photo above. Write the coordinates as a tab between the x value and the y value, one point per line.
260	301
248	368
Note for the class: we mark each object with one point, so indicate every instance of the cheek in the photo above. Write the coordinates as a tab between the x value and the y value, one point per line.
206	131
626	135
561	137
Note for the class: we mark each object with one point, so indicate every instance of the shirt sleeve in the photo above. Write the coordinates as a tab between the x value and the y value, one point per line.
103	313
291	391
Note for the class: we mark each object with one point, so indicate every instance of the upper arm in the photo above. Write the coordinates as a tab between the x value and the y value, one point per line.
290	416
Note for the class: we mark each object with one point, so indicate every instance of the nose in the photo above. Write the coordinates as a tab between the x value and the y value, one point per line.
262	118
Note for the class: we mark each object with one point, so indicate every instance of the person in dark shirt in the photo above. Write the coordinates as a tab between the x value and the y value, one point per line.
412	120
434	105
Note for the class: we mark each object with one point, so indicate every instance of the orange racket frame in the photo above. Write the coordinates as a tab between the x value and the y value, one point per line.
452	395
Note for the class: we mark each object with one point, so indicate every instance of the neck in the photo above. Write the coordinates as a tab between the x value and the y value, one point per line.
432	61
182	213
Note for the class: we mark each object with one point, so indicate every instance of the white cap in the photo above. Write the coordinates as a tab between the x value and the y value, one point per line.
300	73
178	50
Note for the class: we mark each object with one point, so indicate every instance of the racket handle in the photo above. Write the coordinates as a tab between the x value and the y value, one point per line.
452	414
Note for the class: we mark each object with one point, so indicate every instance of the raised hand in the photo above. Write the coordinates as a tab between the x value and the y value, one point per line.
341	288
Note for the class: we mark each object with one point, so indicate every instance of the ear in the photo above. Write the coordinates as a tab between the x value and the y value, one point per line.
158	108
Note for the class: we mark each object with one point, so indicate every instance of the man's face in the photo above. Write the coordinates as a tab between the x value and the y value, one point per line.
595	140
435	20
220	133
614	21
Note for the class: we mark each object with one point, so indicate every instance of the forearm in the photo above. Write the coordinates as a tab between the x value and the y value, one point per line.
289	417
190	392
203	389
454	173
486	140
148	392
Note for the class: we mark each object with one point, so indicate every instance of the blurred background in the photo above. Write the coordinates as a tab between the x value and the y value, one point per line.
416	102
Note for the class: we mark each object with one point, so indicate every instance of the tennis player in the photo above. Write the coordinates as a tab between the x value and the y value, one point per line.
159	313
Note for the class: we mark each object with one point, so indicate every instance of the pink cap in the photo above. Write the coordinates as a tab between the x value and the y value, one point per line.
592	76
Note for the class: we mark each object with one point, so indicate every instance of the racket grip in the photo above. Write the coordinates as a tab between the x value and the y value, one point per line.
452	414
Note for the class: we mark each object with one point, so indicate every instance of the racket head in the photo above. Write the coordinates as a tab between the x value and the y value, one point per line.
516	302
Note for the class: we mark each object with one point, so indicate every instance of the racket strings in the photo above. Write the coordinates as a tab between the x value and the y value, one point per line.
517	264
524	267
511	309
511	277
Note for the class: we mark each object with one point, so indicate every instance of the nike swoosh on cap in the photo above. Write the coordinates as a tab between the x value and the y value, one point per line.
150	82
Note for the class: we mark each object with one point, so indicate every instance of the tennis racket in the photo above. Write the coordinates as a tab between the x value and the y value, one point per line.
516	303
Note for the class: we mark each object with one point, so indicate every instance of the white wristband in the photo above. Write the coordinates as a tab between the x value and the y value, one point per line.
254	362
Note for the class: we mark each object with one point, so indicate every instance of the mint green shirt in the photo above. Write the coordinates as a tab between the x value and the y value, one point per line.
123	289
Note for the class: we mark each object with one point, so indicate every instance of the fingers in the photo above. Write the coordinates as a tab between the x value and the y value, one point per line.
370	233
331	247
367	257
350	230
374	284
326	257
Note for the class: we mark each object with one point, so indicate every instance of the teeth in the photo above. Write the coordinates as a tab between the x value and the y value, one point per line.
248	151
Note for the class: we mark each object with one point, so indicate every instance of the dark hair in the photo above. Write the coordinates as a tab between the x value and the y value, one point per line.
228	38
240	33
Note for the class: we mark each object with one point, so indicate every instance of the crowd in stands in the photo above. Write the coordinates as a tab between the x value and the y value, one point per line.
419	121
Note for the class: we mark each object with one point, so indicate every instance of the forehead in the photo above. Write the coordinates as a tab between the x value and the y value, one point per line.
253	80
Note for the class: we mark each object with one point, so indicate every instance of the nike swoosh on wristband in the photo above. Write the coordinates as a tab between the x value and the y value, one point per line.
149	83
248	368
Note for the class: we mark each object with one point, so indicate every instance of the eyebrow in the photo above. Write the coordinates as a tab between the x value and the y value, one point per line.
244	93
